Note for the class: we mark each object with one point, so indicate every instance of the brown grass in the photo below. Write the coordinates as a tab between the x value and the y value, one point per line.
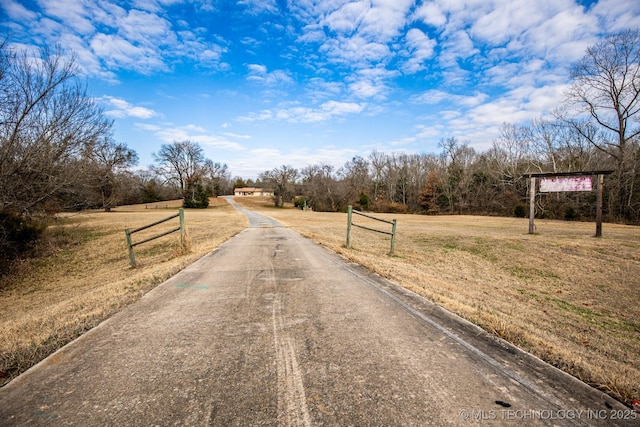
561	294
48	302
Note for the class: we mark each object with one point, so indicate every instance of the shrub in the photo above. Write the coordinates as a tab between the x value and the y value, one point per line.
300	202
18	235
199	198
363	201
391	207
520	211
570	213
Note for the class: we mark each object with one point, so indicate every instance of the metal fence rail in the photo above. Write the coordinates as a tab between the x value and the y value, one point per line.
350	223
131	244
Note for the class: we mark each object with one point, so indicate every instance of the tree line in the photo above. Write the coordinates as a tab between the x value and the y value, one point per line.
461	180
597	127
57	152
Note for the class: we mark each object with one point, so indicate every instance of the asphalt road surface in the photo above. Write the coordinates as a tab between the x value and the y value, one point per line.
272	329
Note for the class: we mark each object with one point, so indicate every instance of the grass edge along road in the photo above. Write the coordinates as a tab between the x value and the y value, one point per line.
561	294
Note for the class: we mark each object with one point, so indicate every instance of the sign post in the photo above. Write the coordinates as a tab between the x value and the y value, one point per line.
563	182
599	206
532	205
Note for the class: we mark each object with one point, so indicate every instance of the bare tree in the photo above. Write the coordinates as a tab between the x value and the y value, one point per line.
48	126
183	164
108	160
151	188
219	177
357	181
606	96
510	152
322	188
378	162
456	158
282	181
557	147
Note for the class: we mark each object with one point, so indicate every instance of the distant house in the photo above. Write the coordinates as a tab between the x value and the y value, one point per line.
252	191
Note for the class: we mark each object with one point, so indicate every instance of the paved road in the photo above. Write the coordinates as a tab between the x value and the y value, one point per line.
272	329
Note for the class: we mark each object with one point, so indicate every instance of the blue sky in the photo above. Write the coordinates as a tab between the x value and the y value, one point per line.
264	83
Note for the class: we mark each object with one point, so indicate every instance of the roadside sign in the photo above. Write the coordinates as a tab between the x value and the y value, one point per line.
561	184
566	181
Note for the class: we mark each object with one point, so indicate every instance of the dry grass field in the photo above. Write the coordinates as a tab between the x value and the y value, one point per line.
561	294
50	301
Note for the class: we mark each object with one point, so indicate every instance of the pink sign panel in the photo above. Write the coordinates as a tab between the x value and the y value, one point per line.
575	183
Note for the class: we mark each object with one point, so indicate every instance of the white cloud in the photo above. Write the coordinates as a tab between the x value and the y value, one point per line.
430	13
365	89
17	12
258	73
429	132
339	108
107	37
355	52
478	118
205	54
236	136
216	141
123	109
457	46
617	15
76	14
148	127
121	53
435	96
420	49
257	69
145	28
370	82
509	19
403	141
347	18
257	117
170	133
356	34
327	111
385	19
147	5
312	33
260	6
318	88
539	101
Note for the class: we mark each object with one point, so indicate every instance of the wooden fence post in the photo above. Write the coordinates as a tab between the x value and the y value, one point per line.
182	230
393	237
349	213
132	256
350	223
